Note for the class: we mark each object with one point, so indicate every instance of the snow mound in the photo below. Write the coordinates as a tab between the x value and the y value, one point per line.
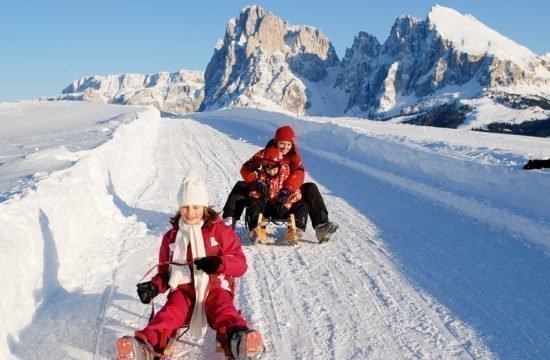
53	232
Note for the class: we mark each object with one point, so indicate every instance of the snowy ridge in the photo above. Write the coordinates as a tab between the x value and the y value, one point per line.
445	59
469	35
176	93
63	243
59	132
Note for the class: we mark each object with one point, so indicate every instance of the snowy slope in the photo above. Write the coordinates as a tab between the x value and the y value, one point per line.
39	137
442	251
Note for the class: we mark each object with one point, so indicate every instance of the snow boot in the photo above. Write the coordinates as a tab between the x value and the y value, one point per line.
325	230
246	344
130	348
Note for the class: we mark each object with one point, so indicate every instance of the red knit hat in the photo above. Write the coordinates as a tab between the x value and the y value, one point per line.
284	133
272	157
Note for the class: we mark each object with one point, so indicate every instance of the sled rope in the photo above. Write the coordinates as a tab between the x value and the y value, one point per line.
160	264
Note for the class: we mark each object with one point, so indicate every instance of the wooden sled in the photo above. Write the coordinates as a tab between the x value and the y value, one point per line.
292	235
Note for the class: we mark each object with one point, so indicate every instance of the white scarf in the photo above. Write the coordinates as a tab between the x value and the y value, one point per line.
191	235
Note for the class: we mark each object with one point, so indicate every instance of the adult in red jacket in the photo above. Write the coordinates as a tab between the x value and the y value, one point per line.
198	261
285	141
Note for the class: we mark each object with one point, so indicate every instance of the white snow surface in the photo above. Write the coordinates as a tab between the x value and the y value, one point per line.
442	251
39	137
488	111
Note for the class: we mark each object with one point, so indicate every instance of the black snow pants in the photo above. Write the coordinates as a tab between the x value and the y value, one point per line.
238	197
256	206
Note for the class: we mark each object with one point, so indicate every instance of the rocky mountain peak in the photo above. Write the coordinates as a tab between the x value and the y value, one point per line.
422	58
364	44
263	59
403	26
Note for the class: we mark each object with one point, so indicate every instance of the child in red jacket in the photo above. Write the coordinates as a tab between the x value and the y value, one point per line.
271	197
198	259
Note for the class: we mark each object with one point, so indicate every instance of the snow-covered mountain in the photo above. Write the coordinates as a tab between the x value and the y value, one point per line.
442	251
175	93
265	62
449	70
447	57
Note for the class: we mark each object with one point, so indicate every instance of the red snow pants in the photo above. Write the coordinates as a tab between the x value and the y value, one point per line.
219	308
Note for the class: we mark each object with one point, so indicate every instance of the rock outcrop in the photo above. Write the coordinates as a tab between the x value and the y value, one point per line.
266	62
175	93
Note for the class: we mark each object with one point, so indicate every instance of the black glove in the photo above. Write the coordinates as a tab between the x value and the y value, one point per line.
262	187
282	198
209	264
147	291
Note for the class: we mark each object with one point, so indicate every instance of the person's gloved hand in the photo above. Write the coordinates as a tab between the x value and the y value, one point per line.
147	291
209	264
282	198
262	187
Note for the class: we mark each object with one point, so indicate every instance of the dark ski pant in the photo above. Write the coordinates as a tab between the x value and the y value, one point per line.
238	197
219	308
257	206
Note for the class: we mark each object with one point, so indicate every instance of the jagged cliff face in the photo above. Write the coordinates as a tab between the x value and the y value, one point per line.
447	55
264	61
175	93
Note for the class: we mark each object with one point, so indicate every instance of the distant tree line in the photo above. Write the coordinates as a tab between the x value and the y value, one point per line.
446	116
540	128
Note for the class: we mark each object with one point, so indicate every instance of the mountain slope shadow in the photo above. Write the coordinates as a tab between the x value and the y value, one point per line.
150	218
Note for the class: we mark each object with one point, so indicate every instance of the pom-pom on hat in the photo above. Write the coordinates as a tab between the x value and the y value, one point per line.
284	133
193	190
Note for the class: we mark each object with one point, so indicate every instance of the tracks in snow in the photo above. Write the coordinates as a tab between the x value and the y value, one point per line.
343	300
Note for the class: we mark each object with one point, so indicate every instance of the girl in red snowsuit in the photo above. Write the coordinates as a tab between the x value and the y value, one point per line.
198	259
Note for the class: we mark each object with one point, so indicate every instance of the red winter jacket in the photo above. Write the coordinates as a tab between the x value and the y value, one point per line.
251	169
219	240
275	184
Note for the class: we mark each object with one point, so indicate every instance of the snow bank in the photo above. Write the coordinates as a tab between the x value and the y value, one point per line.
38	137
505	197
49	236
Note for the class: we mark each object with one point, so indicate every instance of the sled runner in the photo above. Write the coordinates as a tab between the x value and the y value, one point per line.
292	236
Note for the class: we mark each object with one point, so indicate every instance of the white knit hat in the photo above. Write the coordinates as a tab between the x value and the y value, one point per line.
193	190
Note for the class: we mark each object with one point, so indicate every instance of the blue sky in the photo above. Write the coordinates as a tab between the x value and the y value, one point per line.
45	45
